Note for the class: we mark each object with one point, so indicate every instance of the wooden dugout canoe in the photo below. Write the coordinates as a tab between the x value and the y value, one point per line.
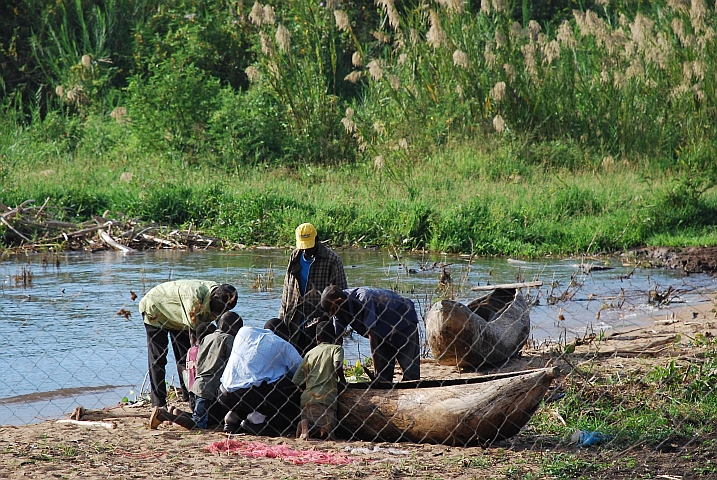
487	331
463	412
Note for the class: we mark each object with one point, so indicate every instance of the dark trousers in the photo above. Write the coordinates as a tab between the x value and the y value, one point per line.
157	348
278	401
385	355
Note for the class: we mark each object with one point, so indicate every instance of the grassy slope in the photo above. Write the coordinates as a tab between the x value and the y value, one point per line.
481	198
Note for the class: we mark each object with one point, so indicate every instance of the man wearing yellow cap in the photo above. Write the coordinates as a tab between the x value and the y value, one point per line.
312	267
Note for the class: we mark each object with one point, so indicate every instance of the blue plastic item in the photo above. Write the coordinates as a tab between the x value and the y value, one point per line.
591	438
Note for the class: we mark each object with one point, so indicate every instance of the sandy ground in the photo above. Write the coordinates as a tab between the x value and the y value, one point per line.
129	449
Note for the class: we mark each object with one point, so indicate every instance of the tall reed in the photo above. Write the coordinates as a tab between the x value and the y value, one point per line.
609	82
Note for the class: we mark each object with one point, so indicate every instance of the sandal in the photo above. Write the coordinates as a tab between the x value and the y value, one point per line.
154	419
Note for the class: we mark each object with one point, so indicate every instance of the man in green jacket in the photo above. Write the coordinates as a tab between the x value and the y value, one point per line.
172	310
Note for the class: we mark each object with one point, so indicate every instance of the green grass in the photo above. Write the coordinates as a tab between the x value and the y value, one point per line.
643	406
454	201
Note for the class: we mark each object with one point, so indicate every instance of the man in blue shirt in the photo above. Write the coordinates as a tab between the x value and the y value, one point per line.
388	319
257	378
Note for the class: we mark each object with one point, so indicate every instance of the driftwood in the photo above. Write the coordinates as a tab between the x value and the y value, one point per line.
113	243
472	411
488	330
88	423
29	227
485	288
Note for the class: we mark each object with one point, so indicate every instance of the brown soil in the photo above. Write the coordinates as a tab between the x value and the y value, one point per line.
132	450
691	259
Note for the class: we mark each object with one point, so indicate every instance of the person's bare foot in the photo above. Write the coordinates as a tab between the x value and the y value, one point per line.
302	431
177	412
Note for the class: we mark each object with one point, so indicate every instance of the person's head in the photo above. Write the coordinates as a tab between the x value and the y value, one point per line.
230	323
307	238
325	332
279	328
204	329
223	299
333	299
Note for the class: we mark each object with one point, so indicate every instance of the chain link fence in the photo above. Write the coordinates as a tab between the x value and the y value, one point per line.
577	352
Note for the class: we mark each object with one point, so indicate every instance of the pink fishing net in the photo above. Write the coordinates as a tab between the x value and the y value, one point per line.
283	451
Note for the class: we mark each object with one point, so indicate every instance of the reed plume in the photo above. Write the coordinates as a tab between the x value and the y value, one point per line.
379	127
460	59
453	6
551	51
342	20
531	66
375	70
268	15
394	81
500	39
533	30
390	10
283	38
436	36
348	121
356	60
516	32
256	16
510	71
353	77
500	6
381	36
565	35
267	47
497	93
252	74
498	124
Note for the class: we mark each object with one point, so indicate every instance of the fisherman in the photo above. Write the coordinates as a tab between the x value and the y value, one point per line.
387	319
170	311
215	346
312	267
256	387
320	373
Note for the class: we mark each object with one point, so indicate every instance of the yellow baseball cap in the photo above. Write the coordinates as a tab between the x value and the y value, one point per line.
305	236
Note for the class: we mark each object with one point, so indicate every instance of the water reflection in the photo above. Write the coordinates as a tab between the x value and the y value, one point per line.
63	325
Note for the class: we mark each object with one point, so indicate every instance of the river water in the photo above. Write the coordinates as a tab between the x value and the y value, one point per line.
68	341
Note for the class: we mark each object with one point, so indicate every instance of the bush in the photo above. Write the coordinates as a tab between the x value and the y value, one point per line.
171	109
246	129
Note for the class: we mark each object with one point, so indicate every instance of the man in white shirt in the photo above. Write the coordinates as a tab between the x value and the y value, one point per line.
257	378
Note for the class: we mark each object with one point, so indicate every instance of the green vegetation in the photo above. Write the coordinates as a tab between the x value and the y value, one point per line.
491	127
667	404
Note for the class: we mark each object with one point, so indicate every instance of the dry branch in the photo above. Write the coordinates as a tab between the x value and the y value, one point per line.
29	227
